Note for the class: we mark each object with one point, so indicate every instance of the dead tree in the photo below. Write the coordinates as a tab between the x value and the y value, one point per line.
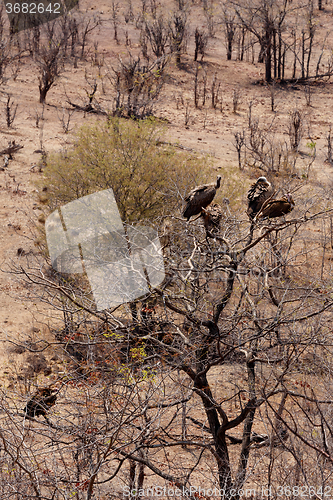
201	40
85	28
157	33
50	64
11	149
177	27
11	110
230	28
137	86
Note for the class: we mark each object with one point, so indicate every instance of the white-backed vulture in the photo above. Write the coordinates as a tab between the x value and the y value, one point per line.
200	197
212	218
277	208
258	193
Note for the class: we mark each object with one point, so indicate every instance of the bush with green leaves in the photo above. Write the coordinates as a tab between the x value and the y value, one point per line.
148	176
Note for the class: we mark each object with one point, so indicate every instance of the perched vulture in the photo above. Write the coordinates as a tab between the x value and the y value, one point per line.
212	218
277	208
40	402
200	197
259	192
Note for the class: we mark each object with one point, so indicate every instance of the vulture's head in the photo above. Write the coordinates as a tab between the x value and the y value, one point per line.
289	198
262	181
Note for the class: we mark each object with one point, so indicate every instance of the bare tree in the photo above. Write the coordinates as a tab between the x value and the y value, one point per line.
263	150
235	100
115	20
329	158
137	86
216	97
65	119
11	110
219	358
129	15
157	33
50	63
74	33
282	29
230	27
85	27
266	21
50	56
239	143
201	40
295	129
271	23
177	27
8	55
208	8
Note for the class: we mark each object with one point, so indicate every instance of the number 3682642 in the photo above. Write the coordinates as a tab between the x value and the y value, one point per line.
32	8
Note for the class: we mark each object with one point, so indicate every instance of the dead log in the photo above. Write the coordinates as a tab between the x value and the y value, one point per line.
11	149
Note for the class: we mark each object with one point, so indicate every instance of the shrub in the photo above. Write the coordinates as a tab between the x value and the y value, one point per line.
146	175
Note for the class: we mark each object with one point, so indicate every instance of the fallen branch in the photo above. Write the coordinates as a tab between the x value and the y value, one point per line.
12	148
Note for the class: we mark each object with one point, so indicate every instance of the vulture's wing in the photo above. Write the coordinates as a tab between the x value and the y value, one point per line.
200	199
259	192
257	196
204	196
276	208
197	189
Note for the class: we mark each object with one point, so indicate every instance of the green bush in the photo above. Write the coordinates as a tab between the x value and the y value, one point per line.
148	177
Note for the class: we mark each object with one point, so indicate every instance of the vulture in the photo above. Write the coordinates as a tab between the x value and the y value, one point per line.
40	402
259	192
200	197
277	208
212	218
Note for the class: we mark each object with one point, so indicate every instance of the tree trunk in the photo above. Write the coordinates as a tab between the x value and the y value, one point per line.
42	93
295	55
218	434
311	37
242	44
261	56
229	46
132	475
275	50
280	56
303	54
248	423
268	54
